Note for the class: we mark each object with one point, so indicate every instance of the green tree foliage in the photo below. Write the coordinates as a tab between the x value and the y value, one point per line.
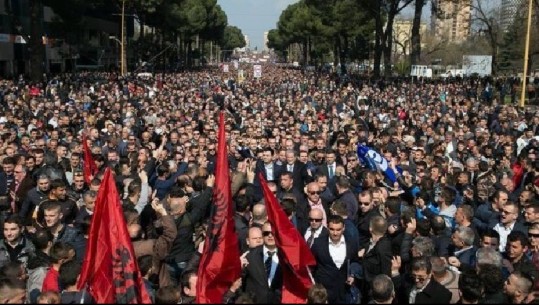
321	27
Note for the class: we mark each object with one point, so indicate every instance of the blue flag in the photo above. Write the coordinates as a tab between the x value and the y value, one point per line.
375	161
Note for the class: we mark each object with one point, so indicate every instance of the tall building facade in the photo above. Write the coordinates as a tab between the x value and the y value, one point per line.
451	19
266	41
509	10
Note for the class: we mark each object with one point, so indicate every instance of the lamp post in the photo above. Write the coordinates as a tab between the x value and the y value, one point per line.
526	54
120	44
123	61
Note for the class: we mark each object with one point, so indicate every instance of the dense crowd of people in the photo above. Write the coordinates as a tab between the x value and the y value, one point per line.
460	224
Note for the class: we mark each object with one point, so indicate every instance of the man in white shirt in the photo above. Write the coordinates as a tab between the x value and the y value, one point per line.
316	227
337	261
263	275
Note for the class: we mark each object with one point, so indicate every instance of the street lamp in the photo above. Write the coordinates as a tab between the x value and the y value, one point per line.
120	44
123	70
526	54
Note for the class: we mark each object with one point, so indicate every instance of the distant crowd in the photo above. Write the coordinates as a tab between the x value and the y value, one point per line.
460	224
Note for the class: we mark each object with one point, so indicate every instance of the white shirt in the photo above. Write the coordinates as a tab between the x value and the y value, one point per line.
338	251
316	233
290	167
504	232
274	263
269	171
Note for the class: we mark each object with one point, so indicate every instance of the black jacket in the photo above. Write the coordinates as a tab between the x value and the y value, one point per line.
255	279
33	198
327	273
433	293
183	246
378	260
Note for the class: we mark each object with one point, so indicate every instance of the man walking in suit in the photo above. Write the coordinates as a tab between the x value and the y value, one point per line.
337	261
316	228
262	274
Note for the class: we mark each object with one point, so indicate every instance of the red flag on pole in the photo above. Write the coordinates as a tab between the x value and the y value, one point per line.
109	271
294	254
220	262
89	165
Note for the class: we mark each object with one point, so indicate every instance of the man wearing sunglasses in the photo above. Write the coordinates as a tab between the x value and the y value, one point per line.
316	228
262	272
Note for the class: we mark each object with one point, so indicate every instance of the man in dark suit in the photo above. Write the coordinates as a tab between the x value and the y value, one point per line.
262	275
329	169
316	228
464	249
298	170
269	168
376	253
241	223
337	261
418	287
287	189
20	187
351	234
311	199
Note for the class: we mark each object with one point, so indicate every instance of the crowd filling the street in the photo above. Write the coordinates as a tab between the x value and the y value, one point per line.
401	190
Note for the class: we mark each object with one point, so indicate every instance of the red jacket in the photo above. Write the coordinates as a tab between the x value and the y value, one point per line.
51	281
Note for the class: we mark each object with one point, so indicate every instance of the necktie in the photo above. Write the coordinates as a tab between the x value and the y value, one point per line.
310	240
330	171
267	263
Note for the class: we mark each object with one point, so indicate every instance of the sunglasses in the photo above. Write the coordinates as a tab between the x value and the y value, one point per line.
535	235
315	192
315	219
351	160
267	233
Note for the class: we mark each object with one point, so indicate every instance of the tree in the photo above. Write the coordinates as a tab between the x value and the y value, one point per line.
232	38
415	54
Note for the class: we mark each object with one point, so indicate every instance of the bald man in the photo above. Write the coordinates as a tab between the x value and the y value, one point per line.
316	228
259	215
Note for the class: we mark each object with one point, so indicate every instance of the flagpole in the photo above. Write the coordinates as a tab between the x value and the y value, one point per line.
526	54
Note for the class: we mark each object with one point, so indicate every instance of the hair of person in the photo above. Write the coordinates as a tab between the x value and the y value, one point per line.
246	298
466	235
176	192
524	281
518	236
15	219
378	225
186	276
69	272
488	256
259	212
342	182
423	227
437	225
52	206
11	270
59	250
9	288
57	183
339	207
242	203
317	294
167	295
424	245
393	204
335	219
438	265
422	263
41	239
470	287
288	205
492	278
467	211
382	288
49	297
491	233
